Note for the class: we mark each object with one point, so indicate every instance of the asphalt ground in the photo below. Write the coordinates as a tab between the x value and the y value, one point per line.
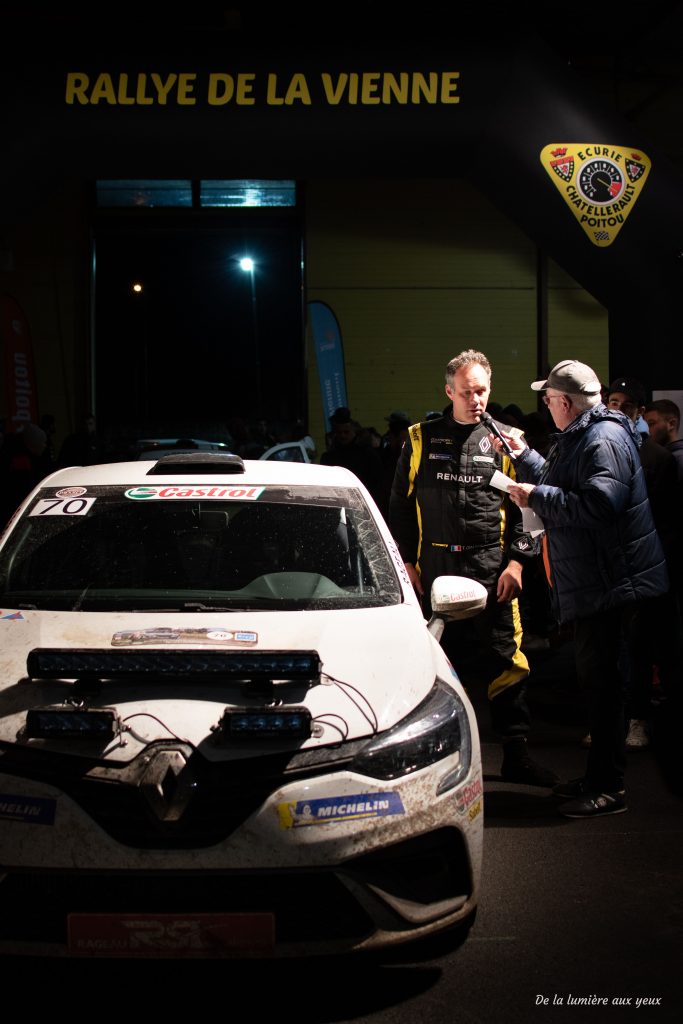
580	908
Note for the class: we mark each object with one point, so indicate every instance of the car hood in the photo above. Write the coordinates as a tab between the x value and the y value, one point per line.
376	666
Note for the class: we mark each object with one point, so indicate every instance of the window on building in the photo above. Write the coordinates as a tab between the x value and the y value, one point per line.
151	193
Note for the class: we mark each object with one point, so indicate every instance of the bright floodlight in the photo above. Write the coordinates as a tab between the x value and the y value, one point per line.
247	263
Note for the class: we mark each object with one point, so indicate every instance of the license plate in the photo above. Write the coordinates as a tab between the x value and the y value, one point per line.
171	935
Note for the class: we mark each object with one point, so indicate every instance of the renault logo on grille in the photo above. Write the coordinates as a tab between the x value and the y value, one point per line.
167	784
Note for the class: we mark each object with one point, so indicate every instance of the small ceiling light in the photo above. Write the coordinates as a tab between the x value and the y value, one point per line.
247	264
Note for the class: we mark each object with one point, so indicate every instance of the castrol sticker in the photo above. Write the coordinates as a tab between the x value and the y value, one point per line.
203	491
467	795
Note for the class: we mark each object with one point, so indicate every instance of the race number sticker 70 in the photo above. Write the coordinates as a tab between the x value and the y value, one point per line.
62	507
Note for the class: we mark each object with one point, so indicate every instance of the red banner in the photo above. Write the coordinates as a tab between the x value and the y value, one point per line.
21	395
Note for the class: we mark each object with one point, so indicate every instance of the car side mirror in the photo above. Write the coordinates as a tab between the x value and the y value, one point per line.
453	598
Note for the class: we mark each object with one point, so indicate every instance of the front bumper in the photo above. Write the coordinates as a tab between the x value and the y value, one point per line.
336	862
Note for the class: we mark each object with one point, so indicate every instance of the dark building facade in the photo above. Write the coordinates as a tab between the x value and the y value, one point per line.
539	188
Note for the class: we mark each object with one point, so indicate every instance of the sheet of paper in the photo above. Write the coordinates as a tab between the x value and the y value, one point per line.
500	481
531	523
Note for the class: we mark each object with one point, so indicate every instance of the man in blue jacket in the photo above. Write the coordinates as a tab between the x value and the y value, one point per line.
602	554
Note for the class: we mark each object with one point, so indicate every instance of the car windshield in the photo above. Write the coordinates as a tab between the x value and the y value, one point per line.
195	548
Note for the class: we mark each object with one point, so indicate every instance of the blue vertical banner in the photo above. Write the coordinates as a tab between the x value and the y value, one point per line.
330	358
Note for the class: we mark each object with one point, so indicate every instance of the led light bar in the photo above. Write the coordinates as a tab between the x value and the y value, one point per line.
268	723
237	666
71	723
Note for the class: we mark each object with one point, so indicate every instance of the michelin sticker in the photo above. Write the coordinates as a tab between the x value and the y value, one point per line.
206	491
327	811
157	635
31	810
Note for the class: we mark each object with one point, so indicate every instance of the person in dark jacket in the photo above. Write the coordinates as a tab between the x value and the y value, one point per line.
654	640
603	556
348	450
24	461
663	418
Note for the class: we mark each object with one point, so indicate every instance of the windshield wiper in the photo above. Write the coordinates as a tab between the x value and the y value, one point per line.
197	606
189	606
79	601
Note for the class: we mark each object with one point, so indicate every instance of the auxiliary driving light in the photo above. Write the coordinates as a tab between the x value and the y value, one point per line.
265	723
71	723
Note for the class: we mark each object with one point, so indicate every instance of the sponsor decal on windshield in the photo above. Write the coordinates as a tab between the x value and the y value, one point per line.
32	810
62	507
327	811
185	635
398	561
146	493
70	492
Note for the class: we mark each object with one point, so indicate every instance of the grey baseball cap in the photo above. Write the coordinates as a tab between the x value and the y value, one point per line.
571	378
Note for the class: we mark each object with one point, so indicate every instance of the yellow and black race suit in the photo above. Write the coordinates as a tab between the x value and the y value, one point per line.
448	520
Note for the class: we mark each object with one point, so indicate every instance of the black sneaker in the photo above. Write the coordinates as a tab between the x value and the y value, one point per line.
576	788
592	805
524	770
571	790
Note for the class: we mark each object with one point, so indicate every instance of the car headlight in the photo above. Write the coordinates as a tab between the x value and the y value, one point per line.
436	728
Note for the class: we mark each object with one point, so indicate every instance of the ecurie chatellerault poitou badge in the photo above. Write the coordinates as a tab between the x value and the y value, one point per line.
600	184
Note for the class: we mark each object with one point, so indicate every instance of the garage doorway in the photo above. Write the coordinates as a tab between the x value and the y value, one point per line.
189	337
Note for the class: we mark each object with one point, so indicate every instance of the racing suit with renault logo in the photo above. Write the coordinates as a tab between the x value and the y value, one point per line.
448	520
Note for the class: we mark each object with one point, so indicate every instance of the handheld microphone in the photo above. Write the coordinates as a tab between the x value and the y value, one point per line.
489	422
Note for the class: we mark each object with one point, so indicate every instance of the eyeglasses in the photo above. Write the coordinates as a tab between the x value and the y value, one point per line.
548	398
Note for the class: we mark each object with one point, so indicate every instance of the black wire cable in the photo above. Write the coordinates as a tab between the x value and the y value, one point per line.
147	714
372	722
344	733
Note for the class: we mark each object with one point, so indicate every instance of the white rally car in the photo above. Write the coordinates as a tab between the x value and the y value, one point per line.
225	727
